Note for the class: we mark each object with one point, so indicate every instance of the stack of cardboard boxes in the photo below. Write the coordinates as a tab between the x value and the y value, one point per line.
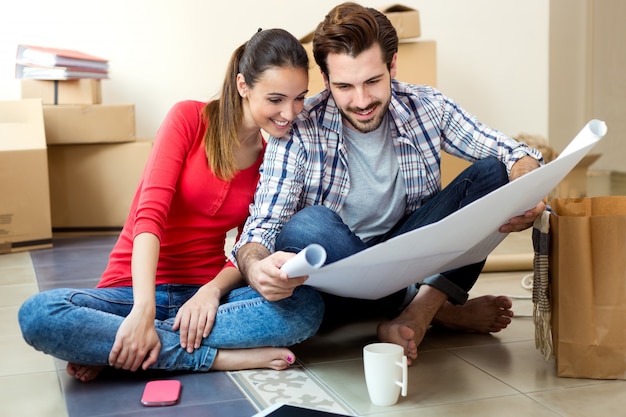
95	160
416	64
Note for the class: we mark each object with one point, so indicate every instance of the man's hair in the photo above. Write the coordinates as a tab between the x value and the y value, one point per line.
350	28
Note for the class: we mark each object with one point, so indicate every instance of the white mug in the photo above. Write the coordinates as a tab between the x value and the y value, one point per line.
386	372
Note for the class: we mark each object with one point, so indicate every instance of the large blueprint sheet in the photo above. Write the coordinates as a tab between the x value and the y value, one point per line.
463	238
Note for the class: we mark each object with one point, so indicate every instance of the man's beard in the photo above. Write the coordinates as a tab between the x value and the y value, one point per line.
370	125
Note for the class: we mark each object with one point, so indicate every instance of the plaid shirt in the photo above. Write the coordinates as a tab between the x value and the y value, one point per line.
311	166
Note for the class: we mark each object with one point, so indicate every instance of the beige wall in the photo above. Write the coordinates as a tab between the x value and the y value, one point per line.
492	54
569	69
587	74
608	80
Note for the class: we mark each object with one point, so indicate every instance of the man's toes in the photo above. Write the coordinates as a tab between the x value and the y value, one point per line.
504	302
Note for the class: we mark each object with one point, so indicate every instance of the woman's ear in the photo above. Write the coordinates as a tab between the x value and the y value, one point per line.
242	87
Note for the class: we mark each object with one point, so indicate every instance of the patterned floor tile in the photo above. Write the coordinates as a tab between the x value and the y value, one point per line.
296	385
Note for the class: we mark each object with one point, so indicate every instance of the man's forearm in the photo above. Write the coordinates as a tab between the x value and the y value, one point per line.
523	166
248	254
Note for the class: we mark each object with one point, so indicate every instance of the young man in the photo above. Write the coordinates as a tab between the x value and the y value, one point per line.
362	165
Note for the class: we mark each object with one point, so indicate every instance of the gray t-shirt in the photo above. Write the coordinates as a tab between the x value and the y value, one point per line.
377	197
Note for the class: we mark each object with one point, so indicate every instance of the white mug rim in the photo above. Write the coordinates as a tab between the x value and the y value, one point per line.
384	348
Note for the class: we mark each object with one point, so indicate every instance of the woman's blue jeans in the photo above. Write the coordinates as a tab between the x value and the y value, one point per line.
318	224
79	325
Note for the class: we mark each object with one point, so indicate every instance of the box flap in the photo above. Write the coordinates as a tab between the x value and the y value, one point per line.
397	8
404	19
21	125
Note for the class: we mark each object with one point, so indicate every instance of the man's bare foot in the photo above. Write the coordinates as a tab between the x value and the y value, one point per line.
401	334
486	314
409	328
264	357
83	373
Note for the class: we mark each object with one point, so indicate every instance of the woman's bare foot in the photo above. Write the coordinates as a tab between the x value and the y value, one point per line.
486	314
83	373
264	357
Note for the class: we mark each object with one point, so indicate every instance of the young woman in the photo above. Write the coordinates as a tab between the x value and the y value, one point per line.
169	299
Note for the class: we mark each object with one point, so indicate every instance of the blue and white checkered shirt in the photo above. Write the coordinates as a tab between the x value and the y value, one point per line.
309	167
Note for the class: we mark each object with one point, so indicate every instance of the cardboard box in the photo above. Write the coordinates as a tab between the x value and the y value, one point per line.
83	91
24	193
92	186
575	183
89	123
417	64
405	19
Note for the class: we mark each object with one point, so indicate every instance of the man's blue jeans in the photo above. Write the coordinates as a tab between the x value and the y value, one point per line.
318	224
79	325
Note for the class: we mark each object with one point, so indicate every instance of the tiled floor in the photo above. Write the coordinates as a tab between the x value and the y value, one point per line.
456	374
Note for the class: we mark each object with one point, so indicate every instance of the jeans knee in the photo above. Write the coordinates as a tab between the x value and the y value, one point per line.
494	169
30	321
309	225
309	310
315	212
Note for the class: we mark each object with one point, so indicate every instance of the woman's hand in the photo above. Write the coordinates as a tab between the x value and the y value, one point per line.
195	318
136	342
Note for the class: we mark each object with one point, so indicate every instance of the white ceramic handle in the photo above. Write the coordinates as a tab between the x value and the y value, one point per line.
405	376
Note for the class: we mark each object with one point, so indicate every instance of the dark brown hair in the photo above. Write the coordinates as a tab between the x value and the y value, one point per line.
267	49
350	28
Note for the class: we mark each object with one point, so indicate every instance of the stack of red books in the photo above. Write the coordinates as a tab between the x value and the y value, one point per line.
43	63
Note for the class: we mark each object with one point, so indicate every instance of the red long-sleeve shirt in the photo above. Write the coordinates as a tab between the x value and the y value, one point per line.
180	200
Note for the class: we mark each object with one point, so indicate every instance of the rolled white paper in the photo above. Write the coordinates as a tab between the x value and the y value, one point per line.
592	132
307	260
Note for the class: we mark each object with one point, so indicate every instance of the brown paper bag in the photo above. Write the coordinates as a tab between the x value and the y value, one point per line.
588	283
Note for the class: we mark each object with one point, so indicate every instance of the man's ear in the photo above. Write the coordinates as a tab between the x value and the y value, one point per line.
393	69
242	87
326	82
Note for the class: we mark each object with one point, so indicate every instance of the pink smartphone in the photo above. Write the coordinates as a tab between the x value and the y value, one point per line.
160	393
